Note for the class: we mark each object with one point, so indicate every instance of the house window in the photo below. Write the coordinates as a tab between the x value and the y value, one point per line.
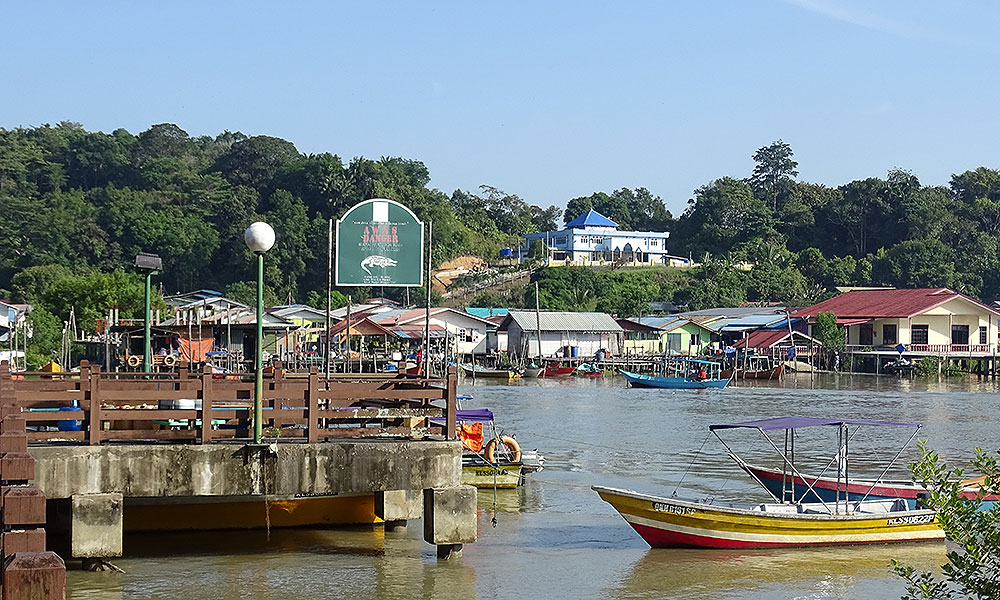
889	334
866	334
918	334
960	335
654	243
695	340
982	335
560	241
674	342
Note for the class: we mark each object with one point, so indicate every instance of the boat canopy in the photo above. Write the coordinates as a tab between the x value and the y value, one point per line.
798	422
690	360
476	414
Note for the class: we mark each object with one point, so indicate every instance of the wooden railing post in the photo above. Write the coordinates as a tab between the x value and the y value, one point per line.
206	404
312	406
451	419
92	399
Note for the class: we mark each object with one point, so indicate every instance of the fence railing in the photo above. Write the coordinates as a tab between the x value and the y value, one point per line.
93	407
942	349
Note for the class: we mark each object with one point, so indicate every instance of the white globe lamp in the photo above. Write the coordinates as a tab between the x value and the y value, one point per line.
259	237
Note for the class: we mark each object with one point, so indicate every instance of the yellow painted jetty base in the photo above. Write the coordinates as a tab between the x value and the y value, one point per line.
672	523
200	514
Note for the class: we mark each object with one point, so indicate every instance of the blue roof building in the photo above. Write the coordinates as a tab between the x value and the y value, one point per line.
592	239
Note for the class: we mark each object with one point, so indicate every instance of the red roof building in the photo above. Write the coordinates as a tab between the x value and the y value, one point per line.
926	320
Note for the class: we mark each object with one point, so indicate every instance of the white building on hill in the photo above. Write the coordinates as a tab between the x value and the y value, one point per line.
593	239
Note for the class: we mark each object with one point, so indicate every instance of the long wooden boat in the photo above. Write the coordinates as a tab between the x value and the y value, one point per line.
478	371
672	523
770	373
674	383
825	489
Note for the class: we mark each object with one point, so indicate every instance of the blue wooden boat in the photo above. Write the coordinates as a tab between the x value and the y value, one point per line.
681	374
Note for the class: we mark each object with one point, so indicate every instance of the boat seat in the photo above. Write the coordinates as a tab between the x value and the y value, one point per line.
880	506
789	509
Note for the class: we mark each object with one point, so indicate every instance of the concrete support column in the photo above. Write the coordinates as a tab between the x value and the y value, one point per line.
396	507
96	528
450	519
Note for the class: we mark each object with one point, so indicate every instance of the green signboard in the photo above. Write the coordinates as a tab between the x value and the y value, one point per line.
380	242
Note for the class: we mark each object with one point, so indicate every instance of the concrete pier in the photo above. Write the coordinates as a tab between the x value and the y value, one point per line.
99	479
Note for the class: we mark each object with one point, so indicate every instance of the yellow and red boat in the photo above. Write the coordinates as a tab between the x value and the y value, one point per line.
837	519
673	523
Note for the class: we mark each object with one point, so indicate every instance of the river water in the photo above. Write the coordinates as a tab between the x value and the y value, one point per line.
555	538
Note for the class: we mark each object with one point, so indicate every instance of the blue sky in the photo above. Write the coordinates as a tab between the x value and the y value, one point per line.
546	100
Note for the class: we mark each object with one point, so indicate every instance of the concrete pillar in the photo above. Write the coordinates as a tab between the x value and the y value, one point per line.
396	507
96	528
450	518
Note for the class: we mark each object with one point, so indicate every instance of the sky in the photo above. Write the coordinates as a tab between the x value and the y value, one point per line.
547	100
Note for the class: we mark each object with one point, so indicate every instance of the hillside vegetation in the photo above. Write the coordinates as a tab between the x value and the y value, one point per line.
78	205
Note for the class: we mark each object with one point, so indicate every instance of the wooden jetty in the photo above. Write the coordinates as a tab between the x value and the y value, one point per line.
153	443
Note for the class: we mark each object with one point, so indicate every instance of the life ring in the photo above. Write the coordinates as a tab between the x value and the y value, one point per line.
169	361
133	361
490	448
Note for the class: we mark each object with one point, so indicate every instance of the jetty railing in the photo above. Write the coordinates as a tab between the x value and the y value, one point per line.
93	407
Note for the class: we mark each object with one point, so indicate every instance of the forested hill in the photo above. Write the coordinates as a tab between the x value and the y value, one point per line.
90	201
77	205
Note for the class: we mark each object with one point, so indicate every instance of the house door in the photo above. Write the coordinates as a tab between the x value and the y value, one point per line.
865	334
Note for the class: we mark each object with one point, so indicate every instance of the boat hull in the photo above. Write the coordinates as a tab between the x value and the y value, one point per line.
671	523
489	373
533	372
768	374
557	371
673	383
487	476
825	488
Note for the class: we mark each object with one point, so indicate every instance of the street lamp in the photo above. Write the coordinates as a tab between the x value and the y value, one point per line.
259	238
150	263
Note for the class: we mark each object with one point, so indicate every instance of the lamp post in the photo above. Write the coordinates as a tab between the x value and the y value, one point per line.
150	263
259	238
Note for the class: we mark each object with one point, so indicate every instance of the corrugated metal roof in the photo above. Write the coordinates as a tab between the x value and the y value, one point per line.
886	304
732	312
654	321
751	322
767	338
562	321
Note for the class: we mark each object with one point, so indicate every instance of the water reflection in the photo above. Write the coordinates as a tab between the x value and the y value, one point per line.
782	573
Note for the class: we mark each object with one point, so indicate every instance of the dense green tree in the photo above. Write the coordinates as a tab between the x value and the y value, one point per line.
915	264
635	210
627	295
722	215
46	337
828	333
256	160
773	173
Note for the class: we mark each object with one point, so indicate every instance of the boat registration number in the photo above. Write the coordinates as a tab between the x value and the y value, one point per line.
914	520
672	508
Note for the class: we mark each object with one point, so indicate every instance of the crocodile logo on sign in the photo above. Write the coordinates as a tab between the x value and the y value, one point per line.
377	261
